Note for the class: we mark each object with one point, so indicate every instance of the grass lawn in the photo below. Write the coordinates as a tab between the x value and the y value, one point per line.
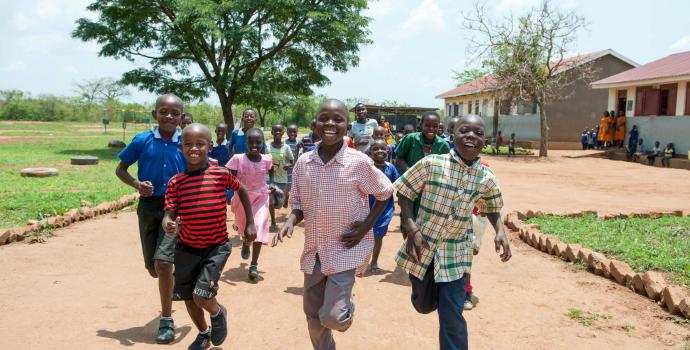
503	150
646	244
24	145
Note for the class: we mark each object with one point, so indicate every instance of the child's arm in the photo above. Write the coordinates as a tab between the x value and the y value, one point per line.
170	223
295	217
361	228
415	242
145	188
500	241
250	229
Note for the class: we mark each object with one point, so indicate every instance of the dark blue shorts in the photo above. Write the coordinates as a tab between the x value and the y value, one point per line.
380	232
229	194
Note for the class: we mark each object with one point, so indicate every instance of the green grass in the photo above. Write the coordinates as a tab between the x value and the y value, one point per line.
25	198
588	317
645	244
504	150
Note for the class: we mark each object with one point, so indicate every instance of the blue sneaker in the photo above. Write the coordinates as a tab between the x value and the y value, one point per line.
166	332
202	342
219	327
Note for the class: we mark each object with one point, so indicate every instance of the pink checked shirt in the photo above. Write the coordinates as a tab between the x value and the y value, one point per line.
332	196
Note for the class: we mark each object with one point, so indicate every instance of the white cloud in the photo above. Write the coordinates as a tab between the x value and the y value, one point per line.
427	16
15	66
682	44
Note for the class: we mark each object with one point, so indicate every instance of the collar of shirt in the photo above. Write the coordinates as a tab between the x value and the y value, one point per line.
175	137
338	158
224	143
454	156
419	137
197	171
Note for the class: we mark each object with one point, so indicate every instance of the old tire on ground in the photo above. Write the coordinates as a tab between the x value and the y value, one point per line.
39	172
116	144
84	160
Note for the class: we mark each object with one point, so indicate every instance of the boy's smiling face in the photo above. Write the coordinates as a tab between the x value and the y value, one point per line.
469	137
378	151
221	130
248	119
196	143
379	133
168	113
255	142
277	132
292	132
430	127
331	122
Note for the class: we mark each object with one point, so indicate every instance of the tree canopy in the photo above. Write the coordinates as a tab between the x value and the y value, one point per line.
196	48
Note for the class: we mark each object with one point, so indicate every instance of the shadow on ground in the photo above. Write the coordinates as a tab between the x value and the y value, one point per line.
102	153
398	276
145	334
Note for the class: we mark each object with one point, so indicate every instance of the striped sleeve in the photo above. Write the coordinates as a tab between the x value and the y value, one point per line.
171	199
232	183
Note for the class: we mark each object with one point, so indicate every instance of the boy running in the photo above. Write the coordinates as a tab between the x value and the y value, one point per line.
159	158
337	238
292	143
438	250
282	161
197	198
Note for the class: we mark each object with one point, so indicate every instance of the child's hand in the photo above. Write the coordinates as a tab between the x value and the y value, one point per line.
352	238
250	232
171	228
145	188
502	241
414	245
271	188
286	166
286	230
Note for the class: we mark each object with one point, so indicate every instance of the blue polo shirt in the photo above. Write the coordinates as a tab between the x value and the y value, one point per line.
221	153
158	159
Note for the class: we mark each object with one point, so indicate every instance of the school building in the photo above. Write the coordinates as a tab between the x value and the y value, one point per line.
656	98
567	117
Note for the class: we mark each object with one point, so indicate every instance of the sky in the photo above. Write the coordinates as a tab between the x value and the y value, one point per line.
416	45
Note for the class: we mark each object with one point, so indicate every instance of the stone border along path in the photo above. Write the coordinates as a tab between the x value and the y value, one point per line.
651	284
17	234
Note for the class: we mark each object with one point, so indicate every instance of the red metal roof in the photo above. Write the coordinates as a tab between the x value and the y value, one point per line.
481	84
670	66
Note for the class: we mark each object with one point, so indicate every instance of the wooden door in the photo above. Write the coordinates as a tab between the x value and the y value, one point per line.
672	97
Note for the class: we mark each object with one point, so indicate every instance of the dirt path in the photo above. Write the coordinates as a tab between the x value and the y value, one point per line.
86	288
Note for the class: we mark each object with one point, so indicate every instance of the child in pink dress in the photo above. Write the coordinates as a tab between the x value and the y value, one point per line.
251	169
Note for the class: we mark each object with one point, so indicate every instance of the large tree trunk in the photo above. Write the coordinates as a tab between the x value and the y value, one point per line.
497	106
226	107
544	136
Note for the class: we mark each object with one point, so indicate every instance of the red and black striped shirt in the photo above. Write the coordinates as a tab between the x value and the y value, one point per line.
198	198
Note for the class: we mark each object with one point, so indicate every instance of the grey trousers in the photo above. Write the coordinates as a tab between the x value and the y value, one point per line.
327	303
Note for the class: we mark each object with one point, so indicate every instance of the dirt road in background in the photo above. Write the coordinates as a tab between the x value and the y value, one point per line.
86	287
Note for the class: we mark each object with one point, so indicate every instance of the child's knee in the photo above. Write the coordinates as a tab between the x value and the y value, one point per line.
202	302
337	321
163	267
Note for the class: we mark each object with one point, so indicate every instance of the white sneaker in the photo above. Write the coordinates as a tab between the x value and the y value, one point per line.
468	304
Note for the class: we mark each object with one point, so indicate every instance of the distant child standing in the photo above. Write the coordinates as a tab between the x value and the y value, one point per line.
159	157
238	143
197	198
337	238
415	146
378	152
308	142
281	155
590	139
438	249
362	128
583	139
220	151
449	130
251	169
511	145
292	143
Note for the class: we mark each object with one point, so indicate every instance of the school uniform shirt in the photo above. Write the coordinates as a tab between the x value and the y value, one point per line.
413	148
198	198
362	132
158	159
221	153
309	143
331	197
281	155
237	144
385	218
449	191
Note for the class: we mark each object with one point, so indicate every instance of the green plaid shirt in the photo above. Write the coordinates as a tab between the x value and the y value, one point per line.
450	189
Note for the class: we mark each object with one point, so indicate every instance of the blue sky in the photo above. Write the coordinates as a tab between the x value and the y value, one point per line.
416	44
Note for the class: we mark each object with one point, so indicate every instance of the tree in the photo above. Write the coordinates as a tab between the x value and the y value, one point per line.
527	56
90	90
195	48
467	75
112	90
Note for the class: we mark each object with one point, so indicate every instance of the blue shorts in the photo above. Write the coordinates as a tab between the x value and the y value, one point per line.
380	232
229	194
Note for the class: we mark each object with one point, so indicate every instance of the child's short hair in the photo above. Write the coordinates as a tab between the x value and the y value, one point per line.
275	125
252	131
430	114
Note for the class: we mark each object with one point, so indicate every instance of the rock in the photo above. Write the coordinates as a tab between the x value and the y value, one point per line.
39	172
609	216
17	233
551	244
67	220
599	263
85	203
542	243
124	202
684	307
654	283
671	296
521	215
589	212
116	144
560	249
621	272
52	221
642	215
534	236
584	255
638	284
522	233
84	160
5	236
530	214
574	215
74	214
571	252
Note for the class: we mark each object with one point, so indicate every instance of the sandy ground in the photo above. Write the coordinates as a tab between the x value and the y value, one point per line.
86	287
